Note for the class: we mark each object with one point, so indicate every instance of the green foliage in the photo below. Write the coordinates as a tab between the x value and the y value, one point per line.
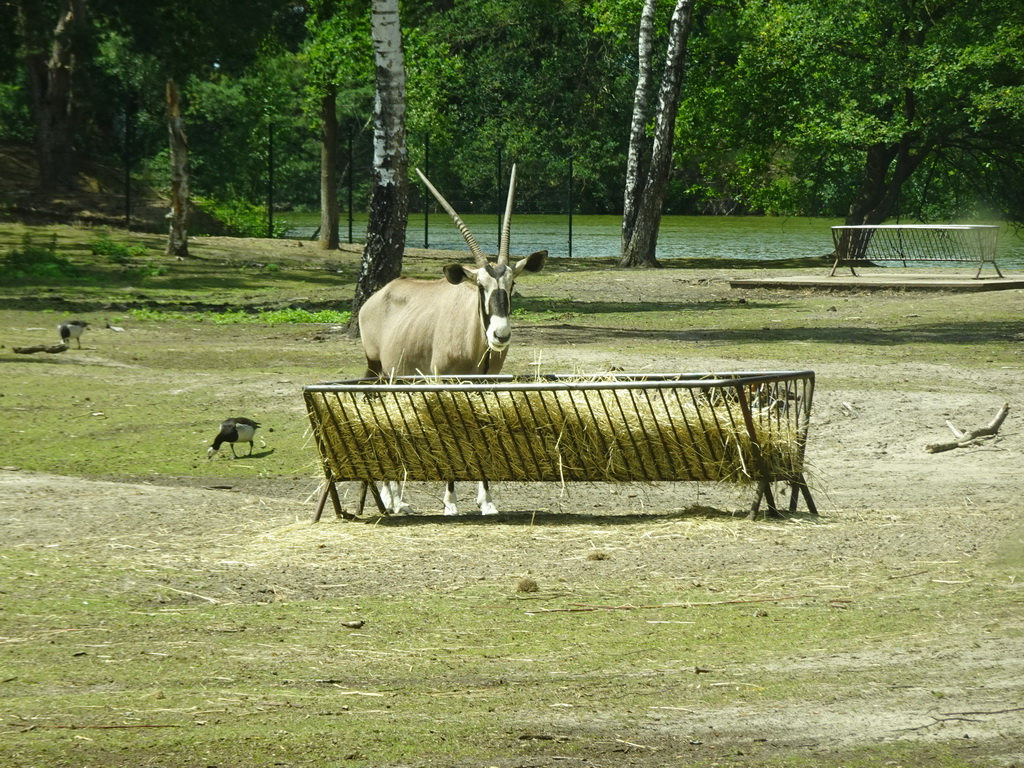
783	100
240	217
239	124
36	261
814	108
118	253
533	79
241	317
15	117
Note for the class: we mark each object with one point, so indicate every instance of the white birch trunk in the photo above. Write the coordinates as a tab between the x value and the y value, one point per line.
638	127
389	206
177	240
642	246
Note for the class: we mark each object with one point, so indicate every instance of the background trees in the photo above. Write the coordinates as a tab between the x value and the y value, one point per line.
865	110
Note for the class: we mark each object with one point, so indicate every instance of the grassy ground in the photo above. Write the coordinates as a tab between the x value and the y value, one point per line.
160	608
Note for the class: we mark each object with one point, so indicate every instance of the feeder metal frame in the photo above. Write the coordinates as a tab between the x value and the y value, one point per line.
368	430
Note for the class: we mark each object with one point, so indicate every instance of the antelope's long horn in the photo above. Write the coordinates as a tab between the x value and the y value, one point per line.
474	248
506	229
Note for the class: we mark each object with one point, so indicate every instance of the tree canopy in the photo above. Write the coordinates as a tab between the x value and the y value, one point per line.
866	110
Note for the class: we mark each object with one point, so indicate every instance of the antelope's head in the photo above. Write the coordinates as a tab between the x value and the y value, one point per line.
494	280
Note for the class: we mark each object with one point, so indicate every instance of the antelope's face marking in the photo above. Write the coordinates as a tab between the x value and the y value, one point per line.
494	283
495	286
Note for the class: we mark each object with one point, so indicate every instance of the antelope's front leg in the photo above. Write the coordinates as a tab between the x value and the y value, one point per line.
484	501
391	495
451	506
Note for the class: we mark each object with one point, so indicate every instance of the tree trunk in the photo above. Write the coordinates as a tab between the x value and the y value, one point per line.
886	169
51	81
642	246
329	170
177	241
635	173
389	205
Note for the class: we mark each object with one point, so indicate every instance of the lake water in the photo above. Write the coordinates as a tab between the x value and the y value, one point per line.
712	237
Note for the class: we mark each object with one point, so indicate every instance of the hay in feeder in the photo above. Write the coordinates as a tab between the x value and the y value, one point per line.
594	433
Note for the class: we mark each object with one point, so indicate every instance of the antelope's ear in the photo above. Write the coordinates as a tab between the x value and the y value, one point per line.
532	263
456	273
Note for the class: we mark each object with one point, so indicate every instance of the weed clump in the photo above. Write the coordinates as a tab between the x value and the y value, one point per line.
36	261
527	585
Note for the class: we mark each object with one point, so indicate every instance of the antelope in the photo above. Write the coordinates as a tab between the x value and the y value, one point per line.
456	325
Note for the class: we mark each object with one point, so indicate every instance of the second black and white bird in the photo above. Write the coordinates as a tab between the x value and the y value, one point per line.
72	329
236	430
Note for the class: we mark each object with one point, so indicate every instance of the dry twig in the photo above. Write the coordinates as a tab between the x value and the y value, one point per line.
50	348
584	608
964	439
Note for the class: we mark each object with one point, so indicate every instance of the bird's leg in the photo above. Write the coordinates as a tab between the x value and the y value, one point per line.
233	454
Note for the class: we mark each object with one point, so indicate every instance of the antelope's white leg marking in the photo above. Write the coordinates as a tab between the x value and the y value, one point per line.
391	495
450	502
483	500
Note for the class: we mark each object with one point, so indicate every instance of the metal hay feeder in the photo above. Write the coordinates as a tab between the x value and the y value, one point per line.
732	427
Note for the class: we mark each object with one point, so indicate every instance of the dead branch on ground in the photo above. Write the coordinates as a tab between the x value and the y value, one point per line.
965	439
963	717
50	348
585	608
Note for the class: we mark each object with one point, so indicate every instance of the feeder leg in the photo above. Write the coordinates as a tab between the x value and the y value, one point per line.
330	489
757	502
321	502
362	498
798	488
764	491
376	497
812	508
338	511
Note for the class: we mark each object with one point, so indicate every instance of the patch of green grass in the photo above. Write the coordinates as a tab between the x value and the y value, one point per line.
37	261
116	252
269	317
108	660
131	270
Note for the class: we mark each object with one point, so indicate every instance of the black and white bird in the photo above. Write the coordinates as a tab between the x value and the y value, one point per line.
72	329
236	430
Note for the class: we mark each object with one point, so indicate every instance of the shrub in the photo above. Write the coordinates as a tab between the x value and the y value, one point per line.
240	217
119	253
37	261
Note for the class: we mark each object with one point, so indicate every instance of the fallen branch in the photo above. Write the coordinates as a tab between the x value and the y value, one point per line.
584	608
965	439
953	717
50	348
